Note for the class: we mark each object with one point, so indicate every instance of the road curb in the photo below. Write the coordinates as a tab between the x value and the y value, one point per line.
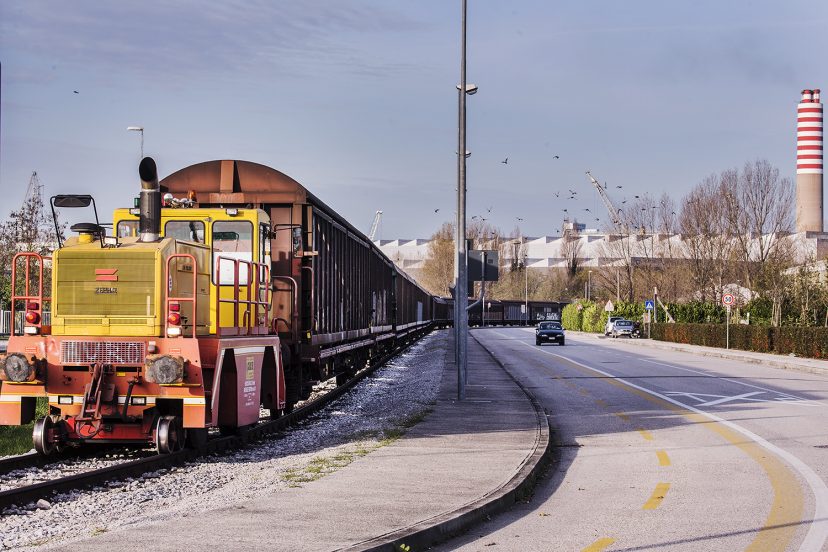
775	361
520	487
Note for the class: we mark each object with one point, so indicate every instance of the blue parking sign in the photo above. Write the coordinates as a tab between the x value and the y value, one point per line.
649	304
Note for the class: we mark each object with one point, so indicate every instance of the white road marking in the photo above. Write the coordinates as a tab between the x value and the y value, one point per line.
703	399
818	530
787	396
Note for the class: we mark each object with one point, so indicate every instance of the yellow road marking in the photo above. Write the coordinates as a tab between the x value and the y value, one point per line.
646	434
663	459
599	545
601	402
658	495
583	391
786	510
623	416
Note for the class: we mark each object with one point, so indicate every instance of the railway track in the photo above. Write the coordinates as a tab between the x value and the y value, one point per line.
26	494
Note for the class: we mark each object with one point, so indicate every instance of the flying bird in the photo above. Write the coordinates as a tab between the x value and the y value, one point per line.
489	210
557	194
636	197
555	157
619	186
565	211
624	201
573	192
505	161
436	210
520	219
587	210
75	91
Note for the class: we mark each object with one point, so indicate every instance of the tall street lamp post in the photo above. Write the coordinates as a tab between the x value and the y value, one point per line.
461	321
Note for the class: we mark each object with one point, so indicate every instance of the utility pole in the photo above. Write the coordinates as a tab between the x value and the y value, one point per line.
461	295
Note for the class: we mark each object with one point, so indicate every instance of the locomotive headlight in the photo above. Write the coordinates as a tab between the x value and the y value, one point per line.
17	368
164	369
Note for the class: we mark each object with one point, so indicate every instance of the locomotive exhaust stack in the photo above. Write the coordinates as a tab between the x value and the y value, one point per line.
149	222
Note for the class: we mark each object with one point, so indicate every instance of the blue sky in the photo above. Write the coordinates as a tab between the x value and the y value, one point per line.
357	99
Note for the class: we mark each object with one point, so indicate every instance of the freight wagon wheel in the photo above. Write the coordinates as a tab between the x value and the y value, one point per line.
43	436
169	435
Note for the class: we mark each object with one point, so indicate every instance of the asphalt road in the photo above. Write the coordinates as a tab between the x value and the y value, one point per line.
665	450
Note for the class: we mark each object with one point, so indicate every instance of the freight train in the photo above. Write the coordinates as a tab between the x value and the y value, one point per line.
515	313
227	288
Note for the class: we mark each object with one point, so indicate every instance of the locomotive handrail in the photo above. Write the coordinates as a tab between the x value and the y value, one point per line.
27	297
260	282
293	326
180	300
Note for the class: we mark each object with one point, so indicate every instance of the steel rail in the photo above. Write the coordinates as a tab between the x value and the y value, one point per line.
22	496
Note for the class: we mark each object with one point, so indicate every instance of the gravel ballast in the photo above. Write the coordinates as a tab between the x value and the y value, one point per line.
376	411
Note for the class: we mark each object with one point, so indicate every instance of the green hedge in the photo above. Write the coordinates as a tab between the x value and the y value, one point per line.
801	341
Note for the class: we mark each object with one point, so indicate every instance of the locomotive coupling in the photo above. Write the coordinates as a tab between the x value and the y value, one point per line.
17	368
164	369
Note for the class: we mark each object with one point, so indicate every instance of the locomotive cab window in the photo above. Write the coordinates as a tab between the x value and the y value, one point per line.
232	240
127	229
185	230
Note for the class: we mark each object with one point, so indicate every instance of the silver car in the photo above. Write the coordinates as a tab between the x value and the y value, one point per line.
622	327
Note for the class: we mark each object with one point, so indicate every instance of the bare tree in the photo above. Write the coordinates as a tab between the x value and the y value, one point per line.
438	268
758	205
26	229
708	245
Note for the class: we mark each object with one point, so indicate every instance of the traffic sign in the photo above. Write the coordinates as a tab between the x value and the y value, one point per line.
728	299
649	304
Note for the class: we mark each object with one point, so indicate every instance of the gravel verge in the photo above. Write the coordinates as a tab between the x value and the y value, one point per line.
372	414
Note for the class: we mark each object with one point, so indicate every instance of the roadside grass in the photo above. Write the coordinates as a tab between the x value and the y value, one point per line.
366	442
18	439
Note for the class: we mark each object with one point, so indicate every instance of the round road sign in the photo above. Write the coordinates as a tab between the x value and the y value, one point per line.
728	299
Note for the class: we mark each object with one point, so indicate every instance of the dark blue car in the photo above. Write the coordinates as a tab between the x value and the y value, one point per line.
550	332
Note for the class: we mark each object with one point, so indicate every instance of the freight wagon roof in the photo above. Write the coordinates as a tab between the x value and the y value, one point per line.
238	183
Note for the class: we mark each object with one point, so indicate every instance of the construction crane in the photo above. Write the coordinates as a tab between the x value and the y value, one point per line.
613	212
373	232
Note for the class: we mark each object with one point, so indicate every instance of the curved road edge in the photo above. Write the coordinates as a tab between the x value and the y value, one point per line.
432	531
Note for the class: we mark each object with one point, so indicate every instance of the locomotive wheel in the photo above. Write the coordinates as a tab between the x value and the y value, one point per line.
169	435
196	437
42	436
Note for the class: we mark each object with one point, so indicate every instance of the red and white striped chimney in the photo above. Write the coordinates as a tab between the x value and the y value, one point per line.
809	163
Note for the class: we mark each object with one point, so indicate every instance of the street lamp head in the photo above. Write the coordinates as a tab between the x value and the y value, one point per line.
471	89
138	128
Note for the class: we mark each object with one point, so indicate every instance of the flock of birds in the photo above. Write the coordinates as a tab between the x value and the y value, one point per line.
572	195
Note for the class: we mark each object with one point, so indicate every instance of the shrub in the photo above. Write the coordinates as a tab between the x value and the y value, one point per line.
801	341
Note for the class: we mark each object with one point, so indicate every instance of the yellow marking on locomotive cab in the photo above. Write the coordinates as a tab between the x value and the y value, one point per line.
663	459
598	545
658	495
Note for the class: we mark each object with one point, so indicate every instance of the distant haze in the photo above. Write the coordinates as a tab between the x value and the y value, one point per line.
357	100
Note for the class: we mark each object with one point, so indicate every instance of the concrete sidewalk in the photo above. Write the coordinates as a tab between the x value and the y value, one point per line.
810	365
465	461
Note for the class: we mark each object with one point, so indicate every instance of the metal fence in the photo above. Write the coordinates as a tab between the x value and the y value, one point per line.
5	320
